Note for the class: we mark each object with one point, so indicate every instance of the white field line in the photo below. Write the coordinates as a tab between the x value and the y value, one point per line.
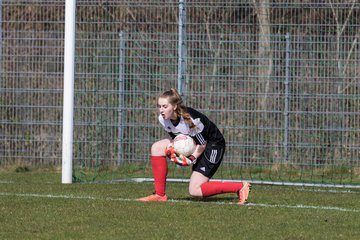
298	206
328	191
273	183
6	182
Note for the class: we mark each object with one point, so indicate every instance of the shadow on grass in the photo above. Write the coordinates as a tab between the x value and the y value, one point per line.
208	199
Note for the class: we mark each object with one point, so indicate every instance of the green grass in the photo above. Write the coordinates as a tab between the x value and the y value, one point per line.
35	205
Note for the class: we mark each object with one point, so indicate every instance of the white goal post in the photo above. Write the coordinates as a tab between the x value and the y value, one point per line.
68	97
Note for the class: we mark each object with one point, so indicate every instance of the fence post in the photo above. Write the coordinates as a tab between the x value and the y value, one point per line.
121	97
287	96
182	48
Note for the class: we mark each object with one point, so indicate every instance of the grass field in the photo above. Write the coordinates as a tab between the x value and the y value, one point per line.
35	205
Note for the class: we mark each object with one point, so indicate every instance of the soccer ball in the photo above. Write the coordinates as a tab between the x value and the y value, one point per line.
184	145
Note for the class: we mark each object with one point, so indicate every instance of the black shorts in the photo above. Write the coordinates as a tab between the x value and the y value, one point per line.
210	160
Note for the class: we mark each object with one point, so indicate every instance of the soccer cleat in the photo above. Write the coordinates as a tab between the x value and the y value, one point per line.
153	198
244	193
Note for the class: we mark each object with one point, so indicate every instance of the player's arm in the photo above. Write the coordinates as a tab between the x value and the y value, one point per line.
198	150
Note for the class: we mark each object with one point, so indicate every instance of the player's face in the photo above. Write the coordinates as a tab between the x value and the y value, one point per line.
166	110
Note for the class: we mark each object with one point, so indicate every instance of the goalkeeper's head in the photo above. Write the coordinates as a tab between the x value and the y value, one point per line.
179	109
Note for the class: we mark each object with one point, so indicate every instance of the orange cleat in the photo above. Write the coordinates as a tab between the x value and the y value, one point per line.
153	198
244	193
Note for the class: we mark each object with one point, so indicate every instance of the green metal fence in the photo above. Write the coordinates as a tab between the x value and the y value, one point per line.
280	78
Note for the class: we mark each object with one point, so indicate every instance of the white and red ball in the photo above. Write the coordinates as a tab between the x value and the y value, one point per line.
184	145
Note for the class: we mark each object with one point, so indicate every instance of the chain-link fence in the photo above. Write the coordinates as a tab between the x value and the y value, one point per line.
280	78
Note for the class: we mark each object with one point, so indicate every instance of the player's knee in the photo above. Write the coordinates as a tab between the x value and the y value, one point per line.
195	191
157	149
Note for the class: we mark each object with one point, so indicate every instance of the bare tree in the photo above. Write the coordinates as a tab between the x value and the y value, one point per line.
265	55
342	64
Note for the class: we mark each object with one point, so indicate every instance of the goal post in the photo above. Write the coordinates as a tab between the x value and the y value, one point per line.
68	97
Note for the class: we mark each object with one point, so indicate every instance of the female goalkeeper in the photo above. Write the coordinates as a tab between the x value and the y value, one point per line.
176	119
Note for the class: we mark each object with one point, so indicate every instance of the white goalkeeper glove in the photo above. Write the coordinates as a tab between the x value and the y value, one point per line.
182	160
169	150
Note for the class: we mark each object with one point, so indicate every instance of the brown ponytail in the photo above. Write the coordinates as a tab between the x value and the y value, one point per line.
181	110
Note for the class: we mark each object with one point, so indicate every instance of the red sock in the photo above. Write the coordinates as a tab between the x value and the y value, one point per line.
213	188
160	170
